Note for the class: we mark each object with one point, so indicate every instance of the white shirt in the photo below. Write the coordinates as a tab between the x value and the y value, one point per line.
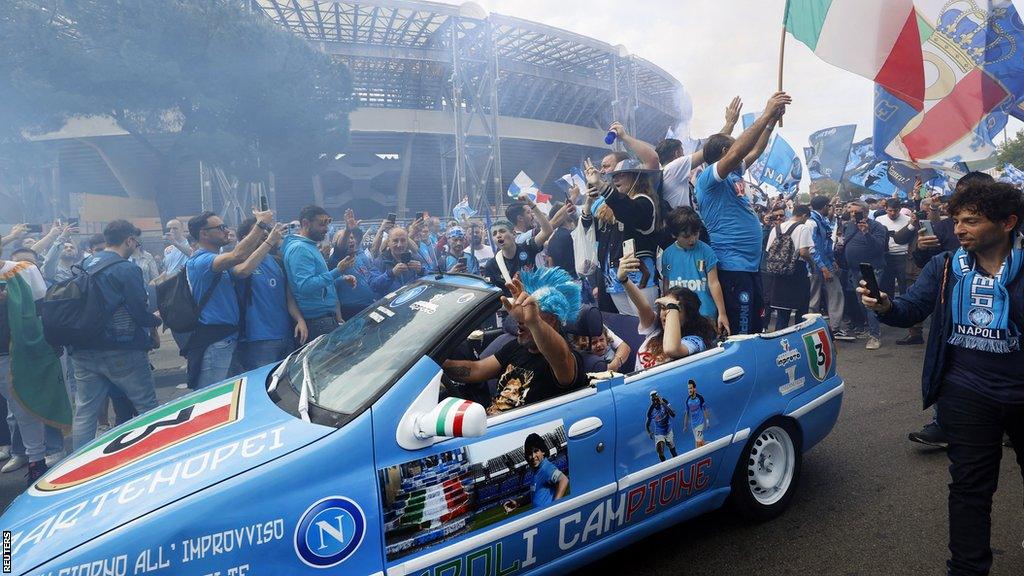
174	259
894	226
675	177
803	237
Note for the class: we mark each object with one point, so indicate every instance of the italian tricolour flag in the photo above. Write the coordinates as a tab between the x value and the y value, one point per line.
877	39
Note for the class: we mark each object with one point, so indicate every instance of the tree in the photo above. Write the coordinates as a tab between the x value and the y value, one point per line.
1012	151
234	89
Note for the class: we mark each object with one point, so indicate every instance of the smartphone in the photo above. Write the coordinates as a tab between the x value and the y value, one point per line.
264	203
926	225
34	228
392	217
867	272
462	261
419	216
406	258
72	221
628	248
922	215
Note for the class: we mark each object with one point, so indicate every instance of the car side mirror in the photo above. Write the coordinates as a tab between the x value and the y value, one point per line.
452	418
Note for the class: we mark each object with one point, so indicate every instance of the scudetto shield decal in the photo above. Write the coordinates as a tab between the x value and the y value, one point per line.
153	432
819	353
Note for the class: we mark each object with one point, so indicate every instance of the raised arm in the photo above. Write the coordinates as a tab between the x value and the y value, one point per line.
629	264
642	150
472	371
245	269
749	139
545	225
761	145
245	247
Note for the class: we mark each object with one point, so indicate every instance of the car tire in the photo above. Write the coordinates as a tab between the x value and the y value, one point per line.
768	471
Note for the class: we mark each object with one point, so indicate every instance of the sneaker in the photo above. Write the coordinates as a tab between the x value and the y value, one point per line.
36	470
910	340
17	462
931	435
873	343
5	452
182	386
862	333
52	459
843	336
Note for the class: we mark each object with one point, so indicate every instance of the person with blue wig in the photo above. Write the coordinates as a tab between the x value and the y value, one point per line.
539	364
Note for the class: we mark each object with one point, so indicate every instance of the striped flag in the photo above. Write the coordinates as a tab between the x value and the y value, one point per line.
523	184
877	39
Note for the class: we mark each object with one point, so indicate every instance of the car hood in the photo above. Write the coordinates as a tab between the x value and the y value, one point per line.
162	456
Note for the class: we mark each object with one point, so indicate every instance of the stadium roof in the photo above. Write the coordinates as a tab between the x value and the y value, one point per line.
400	54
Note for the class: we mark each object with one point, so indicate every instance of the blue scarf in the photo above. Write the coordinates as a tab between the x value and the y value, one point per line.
981	304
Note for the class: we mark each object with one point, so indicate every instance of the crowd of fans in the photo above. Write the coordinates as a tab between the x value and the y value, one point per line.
674	239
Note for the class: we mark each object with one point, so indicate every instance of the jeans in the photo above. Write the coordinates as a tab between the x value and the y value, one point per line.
870	317
217	361
833	293
320	326
974	425
895	273
97	372
252	355
31	427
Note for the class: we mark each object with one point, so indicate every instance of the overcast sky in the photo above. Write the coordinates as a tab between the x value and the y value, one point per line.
718	49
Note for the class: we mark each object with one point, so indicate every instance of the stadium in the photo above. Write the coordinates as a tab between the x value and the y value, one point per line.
452	102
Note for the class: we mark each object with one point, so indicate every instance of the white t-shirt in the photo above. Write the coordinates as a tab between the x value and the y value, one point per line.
646	359
675	177
894	226
803	237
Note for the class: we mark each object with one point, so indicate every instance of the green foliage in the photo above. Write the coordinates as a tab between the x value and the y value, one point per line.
239	91
1012	151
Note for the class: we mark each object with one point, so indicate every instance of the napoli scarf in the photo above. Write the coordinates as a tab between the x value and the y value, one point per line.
981	304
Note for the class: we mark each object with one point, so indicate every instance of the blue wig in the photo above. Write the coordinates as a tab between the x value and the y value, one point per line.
555	291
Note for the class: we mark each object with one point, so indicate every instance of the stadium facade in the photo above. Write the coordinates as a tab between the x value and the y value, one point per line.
452	102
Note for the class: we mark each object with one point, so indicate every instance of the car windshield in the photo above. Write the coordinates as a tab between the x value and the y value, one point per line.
349	366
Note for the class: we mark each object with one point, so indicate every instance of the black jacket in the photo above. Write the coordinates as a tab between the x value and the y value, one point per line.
929	295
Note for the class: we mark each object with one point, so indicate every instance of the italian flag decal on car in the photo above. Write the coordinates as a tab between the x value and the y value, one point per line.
819	353
149	434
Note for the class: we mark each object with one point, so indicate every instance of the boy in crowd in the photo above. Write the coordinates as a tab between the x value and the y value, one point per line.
691	263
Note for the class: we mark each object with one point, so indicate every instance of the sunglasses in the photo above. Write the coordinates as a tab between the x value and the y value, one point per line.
222	228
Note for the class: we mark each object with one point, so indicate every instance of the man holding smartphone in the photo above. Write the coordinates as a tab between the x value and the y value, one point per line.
865	240
398	264
971	370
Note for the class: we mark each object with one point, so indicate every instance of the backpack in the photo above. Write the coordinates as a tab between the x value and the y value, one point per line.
782	253
73	310
177	306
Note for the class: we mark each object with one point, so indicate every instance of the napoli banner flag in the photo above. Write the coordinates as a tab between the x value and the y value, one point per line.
976	79
877	39
573	178
523	184
782	168
830	148
463	210
862	155
1012	175
888	178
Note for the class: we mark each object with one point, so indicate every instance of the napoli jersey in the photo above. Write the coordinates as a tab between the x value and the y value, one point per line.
266	310
222	307
695	407
660	419
734	228
689	268
545	483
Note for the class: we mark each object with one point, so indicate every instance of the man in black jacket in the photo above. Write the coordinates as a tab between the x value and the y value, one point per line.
973	358
865	241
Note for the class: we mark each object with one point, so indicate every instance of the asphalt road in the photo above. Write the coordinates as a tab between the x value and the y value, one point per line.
869	502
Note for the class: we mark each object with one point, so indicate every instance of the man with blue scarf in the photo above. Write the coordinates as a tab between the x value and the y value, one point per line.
972	367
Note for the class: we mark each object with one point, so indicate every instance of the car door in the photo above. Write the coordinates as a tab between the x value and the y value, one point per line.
476	505
689	410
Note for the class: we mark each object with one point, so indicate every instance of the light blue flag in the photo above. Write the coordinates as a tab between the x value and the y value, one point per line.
463	210
1012	175
829	151
782	168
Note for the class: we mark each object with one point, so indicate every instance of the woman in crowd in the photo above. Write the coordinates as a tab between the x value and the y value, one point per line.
674	326
631	203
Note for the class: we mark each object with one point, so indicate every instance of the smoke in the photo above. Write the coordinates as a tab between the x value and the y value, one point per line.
681	131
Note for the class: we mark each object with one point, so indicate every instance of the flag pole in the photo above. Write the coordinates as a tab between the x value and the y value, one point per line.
782	57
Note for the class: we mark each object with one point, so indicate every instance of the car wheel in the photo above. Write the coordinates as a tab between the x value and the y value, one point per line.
768	471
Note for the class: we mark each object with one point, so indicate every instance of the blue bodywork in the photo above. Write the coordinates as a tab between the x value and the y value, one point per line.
264	491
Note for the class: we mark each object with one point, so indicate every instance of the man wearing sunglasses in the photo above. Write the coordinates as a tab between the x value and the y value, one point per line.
212	344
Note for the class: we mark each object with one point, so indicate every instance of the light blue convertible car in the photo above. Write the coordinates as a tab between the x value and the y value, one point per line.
354	456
